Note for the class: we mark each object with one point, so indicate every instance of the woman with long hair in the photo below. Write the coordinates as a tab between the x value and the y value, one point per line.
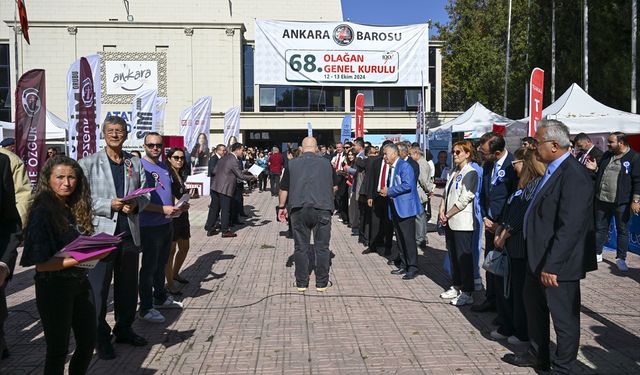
350	173
61	212
181	227
200	153
509	238
457	217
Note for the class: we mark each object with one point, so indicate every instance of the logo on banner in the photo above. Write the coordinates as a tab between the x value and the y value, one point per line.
31	101
87	92
343	35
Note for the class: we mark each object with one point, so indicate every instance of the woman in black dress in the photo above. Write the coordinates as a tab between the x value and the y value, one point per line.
509	237
61	211
181	226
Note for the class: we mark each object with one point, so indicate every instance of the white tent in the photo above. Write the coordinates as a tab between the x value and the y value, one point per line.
55	128
474	122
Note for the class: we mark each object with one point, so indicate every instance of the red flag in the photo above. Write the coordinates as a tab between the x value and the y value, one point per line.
360	115
86	125
31	122
536	87
24	23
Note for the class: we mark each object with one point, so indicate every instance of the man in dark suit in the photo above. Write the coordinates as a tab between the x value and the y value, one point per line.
221	150
587	150
499	181
10	230
224	186
404	205
559	232
381	229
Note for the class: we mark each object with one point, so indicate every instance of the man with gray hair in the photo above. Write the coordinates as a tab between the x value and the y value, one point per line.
425	188
559	232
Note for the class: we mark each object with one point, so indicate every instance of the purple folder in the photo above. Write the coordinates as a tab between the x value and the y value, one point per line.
82	255
136	193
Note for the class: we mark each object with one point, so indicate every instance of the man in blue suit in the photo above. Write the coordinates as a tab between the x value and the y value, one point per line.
403	208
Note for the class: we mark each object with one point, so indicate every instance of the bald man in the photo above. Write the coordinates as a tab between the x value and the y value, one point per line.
306	194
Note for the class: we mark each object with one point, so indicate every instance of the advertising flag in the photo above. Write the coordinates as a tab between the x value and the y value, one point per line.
360	115
86	112
309	130
194	121
143	118
231	124
24	23
74	101
419	120
536	88
31	122
345	132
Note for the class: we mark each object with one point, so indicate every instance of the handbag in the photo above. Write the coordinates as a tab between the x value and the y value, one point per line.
496	262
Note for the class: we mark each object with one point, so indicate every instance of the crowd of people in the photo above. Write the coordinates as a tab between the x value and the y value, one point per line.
543	211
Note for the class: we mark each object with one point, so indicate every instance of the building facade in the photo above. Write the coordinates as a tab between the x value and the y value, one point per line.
209	51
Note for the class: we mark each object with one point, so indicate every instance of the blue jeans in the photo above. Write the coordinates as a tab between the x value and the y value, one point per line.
156	245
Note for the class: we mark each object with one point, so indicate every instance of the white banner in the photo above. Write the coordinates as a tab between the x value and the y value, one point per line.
161	104
130	77
143	119
194	127
339	53
231	124
73	100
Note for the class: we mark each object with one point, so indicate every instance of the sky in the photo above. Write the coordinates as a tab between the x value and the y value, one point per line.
394	12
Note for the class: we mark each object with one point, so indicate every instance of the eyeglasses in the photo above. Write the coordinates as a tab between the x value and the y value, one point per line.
513	163
456	152
177	158
154	145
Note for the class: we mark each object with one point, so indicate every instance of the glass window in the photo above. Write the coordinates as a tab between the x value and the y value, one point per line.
247	78
301	98
268	96
5	84
412	97
387	99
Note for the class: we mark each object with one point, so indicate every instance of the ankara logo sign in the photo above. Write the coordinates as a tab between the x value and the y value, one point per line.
343	35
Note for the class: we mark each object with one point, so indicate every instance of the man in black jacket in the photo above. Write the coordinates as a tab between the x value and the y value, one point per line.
381	229
558	229
221	150
617	194
587	150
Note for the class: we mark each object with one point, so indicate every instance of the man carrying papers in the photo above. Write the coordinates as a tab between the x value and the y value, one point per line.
112	174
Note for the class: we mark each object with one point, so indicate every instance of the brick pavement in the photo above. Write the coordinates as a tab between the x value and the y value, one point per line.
243	316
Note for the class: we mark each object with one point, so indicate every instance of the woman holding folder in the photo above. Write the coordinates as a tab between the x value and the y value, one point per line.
61	212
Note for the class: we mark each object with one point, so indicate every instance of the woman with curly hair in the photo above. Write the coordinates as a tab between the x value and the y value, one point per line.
61	212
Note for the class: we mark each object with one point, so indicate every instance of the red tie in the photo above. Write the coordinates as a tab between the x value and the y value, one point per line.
338	163
383	180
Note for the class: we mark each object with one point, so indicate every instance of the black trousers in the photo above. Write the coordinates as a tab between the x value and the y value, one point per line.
304	221
603	213
563	302
262	181
406	236
511	312
237	203
459	244
490	278
10	238
274	183
66	303
220	206
381	228
214	212
122	266
364	221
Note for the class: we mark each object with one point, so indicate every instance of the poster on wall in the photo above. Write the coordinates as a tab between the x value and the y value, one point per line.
339	53
126	74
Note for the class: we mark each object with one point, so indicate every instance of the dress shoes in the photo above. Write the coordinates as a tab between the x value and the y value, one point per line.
229	234
211	232
485	306
410	275
526	359
368	250
399	271
105	351
131	339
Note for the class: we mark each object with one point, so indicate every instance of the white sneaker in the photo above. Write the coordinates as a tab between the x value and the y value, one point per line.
451	293
497	335
153	316
516	341
622	265
169	303
477	284
599	258
463	299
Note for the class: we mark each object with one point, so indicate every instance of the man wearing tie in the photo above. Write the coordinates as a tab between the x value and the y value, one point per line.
559	232
381	229
588	151
404	206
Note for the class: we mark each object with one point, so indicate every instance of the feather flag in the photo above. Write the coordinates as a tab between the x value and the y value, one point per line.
24	23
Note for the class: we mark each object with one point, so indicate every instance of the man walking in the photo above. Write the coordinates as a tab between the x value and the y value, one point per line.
275	163
221	150
308	185
112	174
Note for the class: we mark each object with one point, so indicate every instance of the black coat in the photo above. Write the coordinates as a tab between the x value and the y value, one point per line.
493	197
10	222
560	230
213	161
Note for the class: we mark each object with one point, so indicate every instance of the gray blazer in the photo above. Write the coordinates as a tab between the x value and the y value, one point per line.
227	172
103	190
425	182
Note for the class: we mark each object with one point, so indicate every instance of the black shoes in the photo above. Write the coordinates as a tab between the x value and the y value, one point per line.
211	232
399	271
410	275
526	359
485	306
368	250
131	339
105	351
229	234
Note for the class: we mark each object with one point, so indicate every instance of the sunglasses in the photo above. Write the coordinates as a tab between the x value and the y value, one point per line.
456	152
177	158
154	145
513	163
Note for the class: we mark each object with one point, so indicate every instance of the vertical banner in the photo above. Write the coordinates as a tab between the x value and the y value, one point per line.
309	130
31	122
360	115
194	127
74	100
536	87
419	120
143	118
231	124
345	130
161	104
86	112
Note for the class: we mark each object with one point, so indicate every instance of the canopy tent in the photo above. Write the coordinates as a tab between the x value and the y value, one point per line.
55	128
474	122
